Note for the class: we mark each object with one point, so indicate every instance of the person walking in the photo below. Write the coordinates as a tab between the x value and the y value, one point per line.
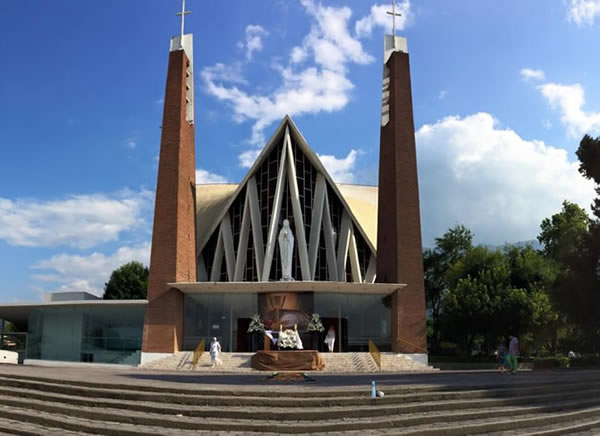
330	338
501	357
215	351
513	354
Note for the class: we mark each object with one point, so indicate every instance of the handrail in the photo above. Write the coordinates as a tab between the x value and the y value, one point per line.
423	350
375	354
198	353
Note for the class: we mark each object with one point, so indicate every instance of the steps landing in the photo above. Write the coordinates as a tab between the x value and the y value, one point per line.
334	363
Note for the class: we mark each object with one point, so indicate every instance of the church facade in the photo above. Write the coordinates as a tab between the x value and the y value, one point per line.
218	256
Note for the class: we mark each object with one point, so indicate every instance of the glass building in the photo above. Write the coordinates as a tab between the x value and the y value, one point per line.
78	327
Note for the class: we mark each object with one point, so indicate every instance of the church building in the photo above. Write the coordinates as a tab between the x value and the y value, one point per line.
217	253
285	243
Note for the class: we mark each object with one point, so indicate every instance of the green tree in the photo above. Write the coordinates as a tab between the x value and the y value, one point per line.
577	289
494	293
564	236
449	248
563	233
130	281
9	327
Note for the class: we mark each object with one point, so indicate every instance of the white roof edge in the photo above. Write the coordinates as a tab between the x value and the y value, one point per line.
262	155
315	160
78	303
319	165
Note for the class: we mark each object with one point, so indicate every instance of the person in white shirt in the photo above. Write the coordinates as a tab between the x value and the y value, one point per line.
215	351
330	338
513	354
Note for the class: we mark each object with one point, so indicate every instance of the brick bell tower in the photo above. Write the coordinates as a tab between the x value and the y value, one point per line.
173	256
399	252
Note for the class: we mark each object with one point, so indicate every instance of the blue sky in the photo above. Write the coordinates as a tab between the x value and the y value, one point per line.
502	92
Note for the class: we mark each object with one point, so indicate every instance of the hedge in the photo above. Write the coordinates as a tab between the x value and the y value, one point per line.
550	362
584	361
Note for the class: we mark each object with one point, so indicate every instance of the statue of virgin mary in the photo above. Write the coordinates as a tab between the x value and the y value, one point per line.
286	250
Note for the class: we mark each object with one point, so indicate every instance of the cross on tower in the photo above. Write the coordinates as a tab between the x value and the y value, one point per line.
182	14
394	14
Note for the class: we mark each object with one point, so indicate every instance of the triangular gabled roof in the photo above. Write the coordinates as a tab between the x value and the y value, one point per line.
275	139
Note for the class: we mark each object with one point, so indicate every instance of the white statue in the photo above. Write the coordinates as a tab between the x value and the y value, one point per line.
286	250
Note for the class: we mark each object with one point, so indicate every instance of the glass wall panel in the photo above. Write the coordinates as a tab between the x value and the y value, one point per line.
215	315
100	334
363	317
359	317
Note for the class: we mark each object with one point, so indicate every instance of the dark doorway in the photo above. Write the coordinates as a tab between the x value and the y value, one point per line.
335	322
242	335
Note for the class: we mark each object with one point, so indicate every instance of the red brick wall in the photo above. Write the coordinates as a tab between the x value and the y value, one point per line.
173	256
399	253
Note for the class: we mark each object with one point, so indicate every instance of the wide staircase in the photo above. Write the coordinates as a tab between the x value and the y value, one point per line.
334	363
183	361
515	405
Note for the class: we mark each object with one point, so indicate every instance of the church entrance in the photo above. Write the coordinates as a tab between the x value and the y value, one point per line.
356	319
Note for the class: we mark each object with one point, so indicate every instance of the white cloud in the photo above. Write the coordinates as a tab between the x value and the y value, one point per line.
379	17
528	74
247	158
583	11
442	94
130	143
223	73
488	178
314	81
70	273
254	39
204	177
78	220
340	170
569	99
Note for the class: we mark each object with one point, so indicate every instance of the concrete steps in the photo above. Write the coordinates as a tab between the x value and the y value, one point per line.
334	363
568	405
183	361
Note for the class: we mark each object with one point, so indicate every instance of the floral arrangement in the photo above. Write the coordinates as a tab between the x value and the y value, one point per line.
315	324
256	324
288	339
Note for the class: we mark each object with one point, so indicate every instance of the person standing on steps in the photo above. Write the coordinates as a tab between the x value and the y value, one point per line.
513	354
330	338
215	351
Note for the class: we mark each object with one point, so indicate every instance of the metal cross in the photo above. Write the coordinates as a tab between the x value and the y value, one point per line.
182	14
394	15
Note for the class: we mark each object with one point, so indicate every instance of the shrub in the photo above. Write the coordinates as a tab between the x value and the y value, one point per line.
550	362
584	361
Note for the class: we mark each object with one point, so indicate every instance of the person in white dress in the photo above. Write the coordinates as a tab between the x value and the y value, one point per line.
215	351
330	339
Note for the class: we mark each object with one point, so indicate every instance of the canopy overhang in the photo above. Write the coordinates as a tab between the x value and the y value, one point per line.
18	313
295	286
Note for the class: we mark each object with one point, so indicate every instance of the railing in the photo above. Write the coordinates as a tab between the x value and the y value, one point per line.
375	354
416	347
198	353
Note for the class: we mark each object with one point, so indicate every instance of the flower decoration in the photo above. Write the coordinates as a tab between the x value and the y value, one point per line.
315	324
256	324
288	339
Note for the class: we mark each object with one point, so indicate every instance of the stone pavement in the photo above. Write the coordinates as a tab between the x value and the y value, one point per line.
220	381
